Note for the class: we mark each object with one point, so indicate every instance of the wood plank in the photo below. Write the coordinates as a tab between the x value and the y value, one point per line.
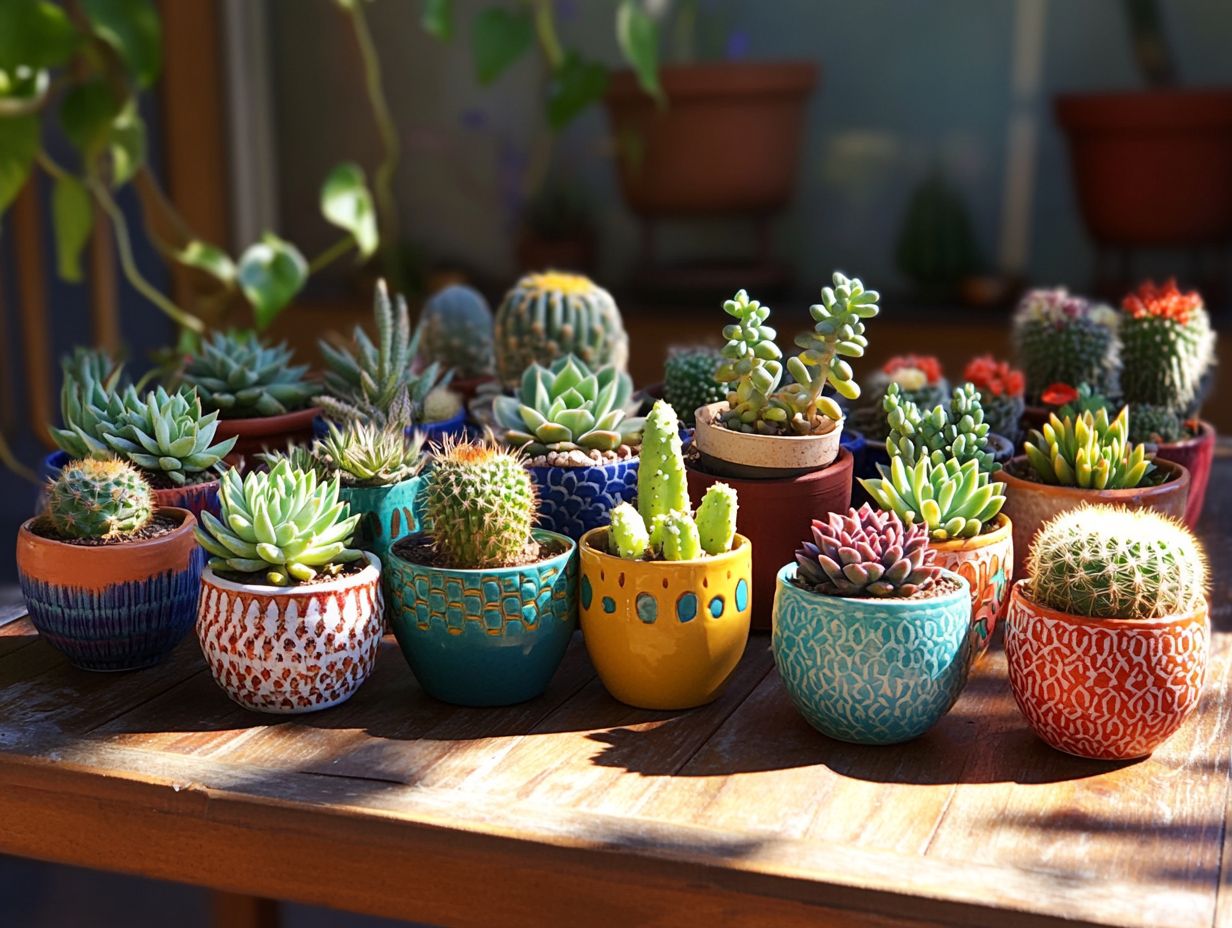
229	910
16	634
32	308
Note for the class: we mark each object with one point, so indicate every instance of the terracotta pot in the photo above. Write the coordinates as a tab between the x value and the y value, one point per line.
1110	689
268	433
1030	504
986	562
573	500
1196	455
1152	168
112	607
668	160
664	634
291	649
871	671
742	454
776	516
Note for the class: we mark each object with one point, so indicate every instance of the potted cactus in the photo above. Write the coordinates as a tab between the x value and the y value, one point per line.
871	638
109	579
1002	391
689	382
581	447
1084	457
666	594
455	332
1107	636
291	616
485	607
939	477
548	315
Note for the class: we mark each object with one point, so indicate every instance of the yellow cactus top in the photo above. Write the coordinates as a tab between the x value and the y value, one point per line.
557	281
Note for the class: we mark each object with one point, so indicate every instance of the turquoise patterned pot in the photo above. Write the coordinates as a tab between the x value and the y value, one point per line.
485	637
871	671
388	514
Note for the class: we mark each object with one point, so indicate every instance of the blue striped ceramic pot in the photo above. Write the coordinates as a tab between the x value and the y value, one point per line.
113	607
485	637
388	513
871	671
573	500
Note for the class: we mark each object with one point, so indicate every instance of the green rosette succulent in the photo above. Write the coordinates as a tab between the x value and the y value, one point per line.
89	403
1088	451
240	376
167	434
950	499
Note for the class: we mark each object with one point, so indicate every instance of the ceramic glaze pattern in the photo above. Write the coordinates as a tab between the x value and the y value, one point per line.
1108	689
869	671
573	500
195	498
388	513
986	562
295	649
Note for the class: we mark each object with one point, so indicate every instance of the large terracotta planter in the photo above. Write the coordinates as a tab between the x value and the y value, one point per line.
741	454
388	514
1196	455
986	562
112	607
871	671
268	433
777	516
1111	689
573	500
667	155
1152	168
1029	504
490	637
292	649
664	634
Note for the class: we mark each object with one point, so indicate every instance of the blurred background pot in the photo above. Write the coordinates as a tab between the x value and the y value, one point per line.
1196	455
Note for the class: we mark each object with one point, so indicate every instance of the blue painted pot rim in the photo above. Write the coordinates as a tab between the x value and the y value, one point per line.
298	589
382	490
441	426
56	460
605	465
539	534
890	605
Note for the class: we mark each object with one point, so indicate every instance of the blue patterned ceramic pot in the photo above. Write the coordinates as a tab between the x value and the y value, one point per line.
871	671
453	427
573	500
389	513
121	606
854	442
485	637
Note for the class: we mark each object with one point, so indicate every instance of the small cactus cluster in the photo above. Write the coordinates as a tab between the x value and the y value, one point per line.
663	524
955	432
1001	388
1109	562
1088	451
1168	349
688	381
919	378
1063	338
241	376
481	505
104	499
866	553
548	315
455	331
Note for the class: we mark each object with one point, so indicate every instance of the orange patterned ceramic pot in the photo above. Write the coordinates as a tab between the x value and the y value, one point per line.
986	562
295	648
1110	689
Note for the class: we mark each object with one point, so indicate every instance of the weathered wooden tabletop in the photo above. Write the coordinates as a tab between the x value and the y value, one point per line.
575	809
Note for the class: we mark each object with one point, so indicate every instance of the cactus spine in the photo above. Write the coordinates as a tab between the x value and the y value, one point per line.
1168	348
689	384
99	499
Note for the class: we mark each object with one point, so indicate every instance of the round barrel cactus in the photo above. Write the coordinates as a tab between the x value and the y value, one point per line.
99	499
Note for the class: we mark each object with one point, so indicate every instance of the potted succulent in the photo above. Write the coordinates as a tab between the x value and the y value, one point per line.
1002	391
919	378
666	595
485	607
1085	458
939	477
109	580
291	616
455	332
581	447
89	377
1107	636
871	638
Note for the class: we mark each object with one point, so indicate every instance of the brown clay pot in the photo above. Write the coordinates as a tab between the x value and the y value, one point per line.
1196	455
667	159
731	453
268	433
1152	168
776	516
1030	504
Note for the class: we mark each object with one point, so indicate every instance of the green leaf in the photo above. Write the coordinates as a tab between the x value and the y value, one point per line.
347	203
35	33
133	29
271	273
575	85
86	114
73	218
127	145
22	89
638	36
438	19
498	39
209	258
19	142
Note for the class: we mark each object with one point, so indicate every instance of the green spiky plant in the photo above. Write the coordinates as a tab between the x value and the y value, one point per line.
1168	349
105	499
868	554
283	523
89	403
955	432
241	376
688	381
455	331
919	378
950	499
1061	338
1109	562
168	436
1088	451
366	454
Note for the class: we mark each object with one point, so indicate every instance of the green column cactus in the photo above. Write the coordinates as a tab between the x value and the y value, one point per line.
1168	349
661	483
681	541
455	331
1062	338
628	532
716	518
99	499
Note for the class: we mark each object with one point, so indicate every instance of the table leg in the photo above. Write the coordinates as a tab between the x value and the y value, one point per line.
235	911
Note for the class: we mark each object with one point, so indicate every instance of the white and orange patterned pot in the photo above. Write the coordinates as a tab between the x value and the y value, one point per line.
291	649
986	562
1111	689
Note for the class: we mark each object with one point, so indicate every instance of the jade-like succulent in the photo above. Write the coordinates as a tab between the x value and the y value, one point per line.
955	432
1088	451
99	499
919	378
168	435
1168	349
481	505
866	553
89	402
1116	563
752	365
568	407
365	454
688	381
455	331
241	376
284	523
1001	388
950	499
1062	338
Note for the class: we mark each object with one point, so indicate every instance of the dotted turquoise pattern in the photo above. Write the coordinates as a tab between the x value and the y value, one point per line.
573	500
386	514
870	672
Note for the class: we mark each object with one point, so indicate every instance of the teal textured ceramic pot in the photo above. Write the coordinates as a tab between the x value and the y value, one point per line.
485	637
389	513
871	671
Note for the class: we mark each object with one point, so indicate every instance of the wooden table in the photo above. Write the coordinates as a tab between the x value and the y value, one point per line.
577	810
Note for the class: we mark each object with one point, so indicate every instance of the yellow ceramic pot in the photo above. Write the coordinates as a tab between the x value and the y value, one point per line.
664	634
